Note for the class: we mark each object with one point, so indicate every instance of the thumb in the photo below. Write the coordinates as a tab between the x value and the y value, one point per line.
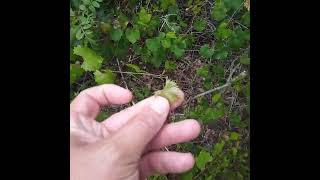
134	136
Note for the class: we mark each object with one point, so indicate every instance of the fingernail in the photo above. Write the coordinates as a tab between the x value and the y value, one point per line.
160	105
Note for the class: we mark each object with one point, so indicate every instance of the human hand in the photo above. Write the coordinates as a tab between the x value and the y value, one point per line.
126	145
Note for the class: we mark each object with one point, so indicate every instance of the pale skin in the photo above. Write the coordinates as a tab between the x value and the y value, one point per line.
127	145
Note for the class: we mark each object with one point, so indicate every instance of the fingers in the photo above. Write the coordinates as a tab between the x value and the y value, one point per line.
117	120
134	136
175	133
165	162
89	101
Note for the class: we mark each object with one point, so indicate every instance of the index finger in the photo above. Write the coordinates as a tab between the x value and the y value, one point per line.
89	101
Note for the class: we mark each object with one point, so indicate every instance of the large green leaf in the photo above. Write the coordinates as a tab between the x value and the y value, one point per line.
91	61
106	77
203	158
133	35
153	44
144	17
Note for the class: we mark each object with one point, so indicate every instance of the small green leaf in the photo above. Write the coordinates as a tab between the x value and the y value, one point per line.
166	43
218	148
203	71
199	25
187	176
206	51
216	97
116	34
171	35
107	77
223	32
91	61
82	7
219	11
135	68
144	17
102	116
95	4
203	158
79	34
153	44
170	66
178	52
234	136
133	35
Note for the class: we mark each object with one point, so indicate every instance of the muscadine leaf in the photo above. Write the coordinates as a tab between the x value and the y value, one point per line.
144	17
203	158
91	61
166	43
107	77
206	51
153	44
116	34
133	35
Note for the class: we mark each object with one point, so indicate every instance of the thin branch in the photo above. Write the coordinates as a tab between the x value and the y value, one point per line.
241	75
147	74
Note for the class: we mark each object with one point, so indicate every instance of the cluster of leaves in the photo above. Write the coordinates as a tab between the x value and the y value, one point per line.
225	160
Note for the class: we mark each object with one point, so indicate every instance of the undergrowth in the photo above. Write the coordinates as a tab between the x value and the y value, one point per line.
203	46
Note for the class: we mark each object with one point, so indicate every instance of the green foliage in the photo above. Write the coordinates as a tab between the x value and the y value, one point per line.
219	11
199	25
170	66
133	35
91	61
135	68
203	158
116	34
206	51
107	77
75	72
157	37
144	17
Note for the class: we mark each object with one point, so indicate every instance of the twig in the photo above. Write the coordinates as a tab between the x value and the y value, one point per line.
121	74
241	75
234	13
125	83
148	74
